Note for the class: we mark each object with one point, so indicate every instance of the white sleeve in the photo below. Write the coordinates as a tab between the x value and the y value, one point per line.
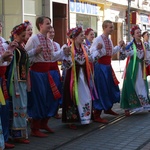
96	53
31	45
116	49
4	63
59	55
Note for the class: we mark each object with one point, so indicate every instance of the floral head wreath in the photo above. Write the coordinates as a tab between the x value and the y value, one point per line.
75	32
27	22
133	29
69	33
19	29
87	31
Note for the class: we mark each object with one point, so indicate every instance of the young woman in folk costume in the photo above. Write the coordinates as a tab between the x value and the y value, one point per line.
17	76
29	31
135	87
56	46
146	42
104	76
44	94
77	92
5	59
89	36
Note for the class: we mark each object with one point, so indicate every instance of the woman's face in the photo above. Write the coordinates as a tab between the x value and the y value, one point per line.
137	34
21	37
51	33
80	38
29	31
146	37
90	36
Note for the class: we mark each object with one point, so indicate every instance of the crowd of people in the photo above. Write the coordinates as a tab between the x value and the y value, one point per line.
33	89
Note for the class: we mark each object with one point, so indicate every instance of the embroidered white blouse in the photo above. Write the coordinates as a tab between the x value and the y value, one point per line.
103	50
31	46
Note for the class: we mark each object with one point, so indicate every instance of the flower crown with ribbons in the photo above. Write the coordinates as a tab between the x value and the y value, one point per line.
74	32
19	29
88	30
133	29
27	22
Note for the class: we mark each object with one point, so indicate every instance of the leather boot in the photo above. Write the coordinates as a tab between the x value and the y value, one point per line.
97	117
35	126
44	125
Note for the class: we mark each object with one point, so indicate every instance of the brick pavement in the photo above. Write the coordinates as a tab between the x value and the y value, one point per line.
62	134
121	133
130	133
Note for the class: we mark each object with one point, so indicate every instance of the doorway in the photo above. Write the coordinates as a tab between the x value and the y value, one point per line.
60	22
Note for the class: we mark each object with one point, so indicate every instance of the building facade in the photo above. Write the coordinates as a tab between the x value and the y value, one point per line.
13	12
70	13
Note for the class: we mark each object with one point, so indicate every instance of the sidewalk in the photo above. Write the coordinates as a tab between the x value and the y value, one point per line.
63	134
122	133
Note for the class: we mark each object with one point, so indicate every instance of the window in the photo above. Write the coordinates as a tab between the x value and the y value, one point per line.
86	21
33	7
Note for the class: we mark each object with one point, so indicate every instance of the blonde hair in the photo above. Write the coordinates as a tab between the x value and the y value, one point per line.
104	25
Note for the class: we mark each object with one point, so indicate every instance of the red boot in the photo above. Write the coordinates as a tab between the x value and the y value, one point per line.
9	146
72	126
44	125
23	141
127	113
35	126
111	112
97	117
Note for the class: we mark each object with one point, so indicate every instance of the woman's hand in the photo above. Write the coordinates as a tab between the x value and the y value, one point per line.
7	55
121	43
99	46
12	46
67	50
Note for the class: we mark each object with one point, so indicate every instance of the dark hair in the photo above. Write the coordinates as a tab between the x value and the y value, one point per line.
18	29
135	27
144	33
104	25
40	20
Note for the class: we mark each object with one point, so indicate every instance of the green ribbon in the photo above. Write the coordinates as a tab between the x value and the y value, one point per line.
134	59
11	87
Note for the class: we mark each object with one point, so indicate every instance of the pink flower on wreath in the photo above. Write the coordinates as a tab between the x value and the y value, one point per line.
15	114
23	115
88	30
133	29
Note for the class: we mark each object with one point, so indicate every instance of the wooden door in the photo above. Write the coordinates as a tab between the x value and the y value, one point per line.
114	37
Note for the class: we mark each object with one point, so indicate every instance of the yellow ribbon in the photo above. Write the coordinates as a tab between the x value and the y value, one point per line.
2	99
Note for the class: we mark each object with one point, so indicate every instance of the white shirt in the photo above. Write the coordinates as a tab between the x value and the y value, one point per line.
103	50
31	46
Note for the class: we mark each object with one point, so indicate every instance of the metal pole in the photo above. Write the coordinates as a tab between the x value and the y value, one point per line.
68	14
129	5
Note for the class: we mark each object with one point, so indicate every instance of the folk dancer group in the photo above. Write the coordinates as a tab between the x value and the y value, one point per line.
31	84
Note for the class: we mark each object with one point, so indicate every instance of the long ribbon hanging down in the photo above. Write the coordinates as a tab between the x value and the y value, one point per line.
73	82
